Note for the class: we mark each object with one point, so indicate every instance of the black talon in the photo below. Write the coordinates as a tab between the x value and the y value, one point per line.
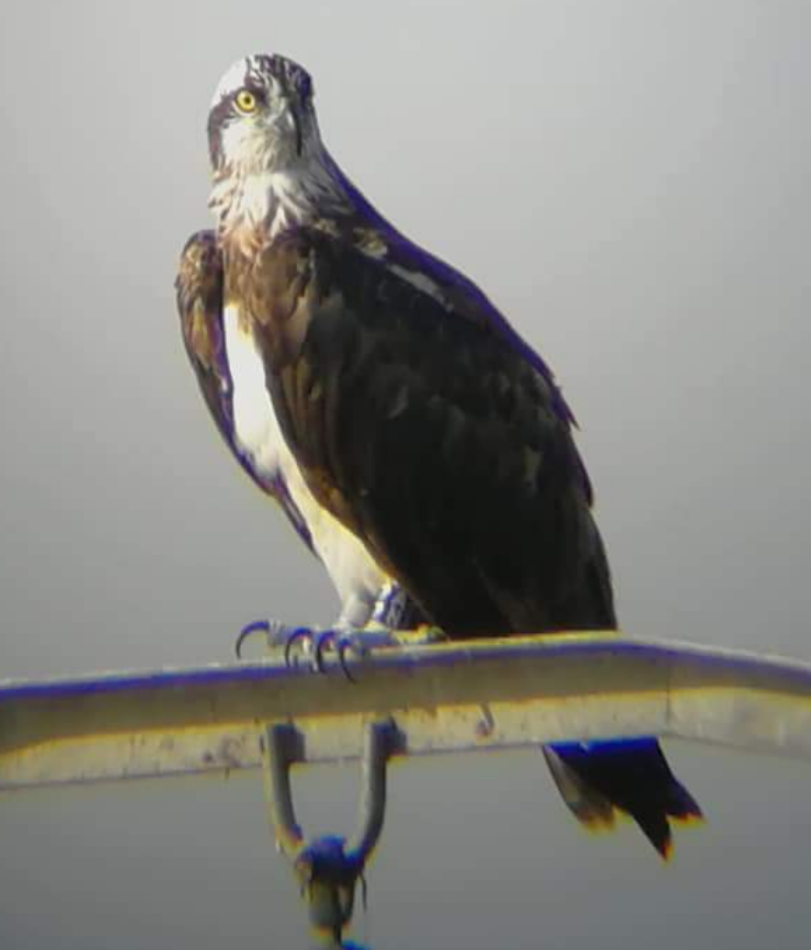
343	649
300	633
258	626
323	641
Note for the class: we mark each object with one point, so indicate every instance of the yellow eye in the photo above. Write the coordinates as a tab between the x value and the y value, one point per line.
246	101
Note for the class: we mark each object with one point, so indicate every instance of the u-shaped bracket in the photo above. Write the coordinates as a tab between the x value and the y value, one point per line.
328	867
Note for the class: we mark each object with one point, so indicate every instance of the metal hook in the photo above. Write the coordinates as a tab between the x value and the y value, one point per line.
328	867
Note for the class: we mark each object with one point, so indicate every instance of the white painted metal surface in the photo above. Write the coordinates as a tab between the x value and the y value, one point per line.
443	698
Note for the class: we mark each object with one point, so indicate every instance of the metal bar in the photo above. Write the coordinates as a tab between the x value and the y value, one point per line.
489	694
282	749
379	744
328	867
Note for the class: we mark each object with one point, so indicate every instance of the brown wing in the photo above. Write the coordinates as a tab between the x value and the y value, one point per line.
199	287
432	436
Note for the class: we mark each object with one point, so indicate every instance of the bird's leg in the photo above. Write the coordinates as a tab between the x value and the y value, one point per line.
383	628
346	633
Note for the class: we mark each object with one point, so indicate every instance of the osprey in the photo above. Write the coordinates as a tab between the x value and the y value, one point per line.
417	444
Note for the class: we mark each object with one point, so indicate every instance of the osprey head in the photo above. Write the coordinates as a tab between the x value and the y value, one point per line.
261	118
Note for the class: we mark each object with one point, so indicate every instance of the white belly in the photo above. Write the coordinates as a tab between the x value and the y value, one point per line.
356	577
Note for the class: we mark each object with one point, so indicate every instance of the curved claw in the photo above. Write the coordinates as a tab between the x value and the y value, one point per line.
345	647
342	646
326	639
257	626
300	633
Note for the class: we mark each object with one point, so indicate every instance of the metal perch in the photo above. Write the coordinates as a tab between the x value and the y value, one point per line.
458	697
520	692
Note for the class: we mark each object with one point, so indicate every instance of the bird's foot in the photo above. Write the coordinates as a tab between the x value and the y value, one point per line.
343	640
308	643
276	635
346	641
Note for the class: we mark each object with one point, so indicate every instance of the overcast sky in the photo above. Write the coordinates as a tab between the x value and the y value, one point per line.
628	180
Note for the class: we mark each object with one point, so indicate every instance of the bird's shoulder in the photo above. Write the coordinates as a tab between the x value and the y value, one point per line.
370	275
358	309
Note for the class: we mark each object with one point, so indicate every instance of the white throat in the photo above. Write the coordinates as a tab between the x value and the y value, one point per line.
263	203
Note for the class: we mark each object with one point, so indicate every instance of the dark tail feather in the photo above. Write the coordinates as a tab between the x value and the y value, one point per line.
594	778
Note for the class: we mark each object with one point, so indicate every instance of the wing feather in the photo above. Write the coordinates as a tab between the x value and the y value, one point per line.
422	426
199	287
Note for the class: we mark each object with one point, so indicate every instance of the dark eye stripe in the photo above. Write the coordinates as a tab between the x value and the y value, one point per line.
217	119
227	111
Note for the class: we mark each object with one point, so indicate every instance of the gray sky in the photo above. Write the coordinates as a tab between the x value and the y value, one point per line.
628	180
